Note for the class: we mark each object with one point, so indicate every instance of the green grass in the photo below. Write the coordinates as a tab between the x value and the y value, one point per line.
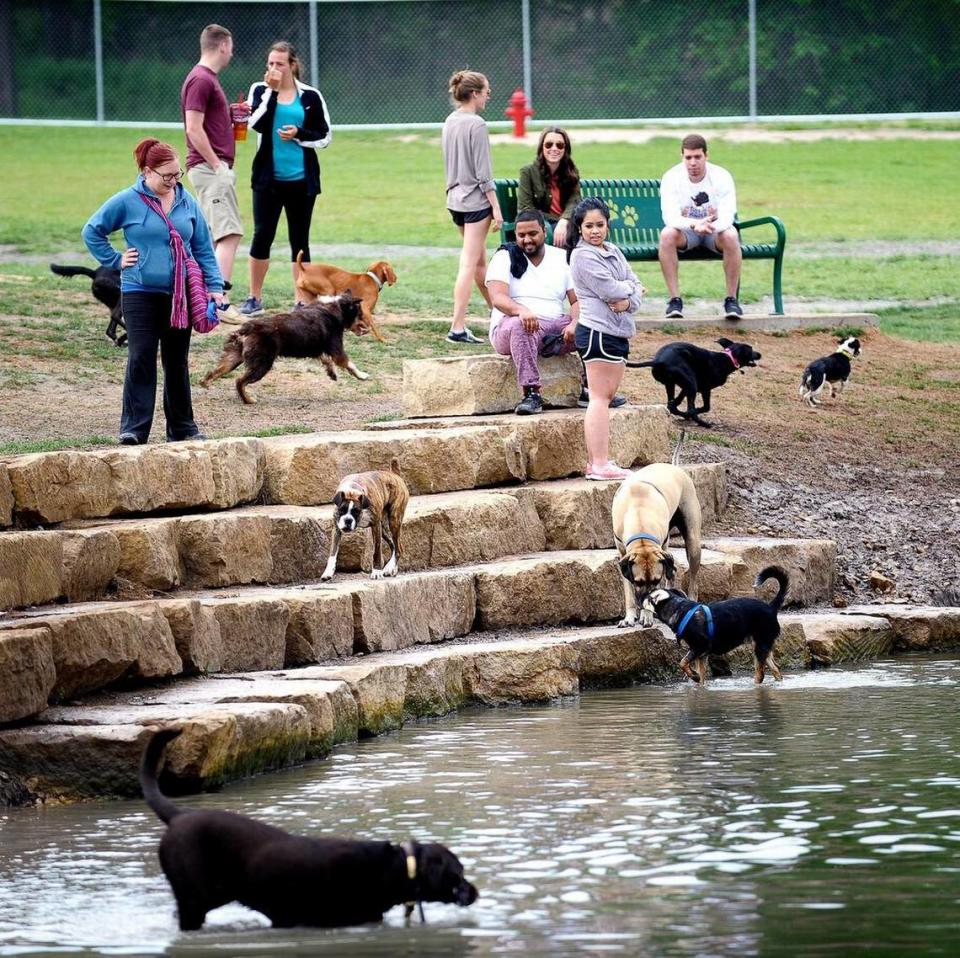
387	188
21	447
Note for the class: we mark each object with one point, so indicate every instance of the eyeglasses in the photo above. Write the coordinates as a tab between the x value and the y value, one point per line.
554	145
168	178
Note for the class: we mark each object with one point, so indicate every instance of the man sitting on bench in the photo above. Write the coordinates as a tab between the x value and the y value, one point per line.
534	306
698	202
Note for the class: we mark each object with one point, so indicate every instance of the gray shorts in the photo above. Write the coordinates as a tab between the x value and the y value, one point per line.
694	239
217	196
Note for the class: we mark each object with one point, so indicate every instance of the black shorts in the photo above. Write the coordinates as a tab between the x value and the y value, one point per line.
475	216
596	347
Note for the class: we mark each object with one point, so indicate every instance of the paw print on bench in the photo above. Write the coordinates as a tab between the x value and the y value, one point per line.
614	211
629	215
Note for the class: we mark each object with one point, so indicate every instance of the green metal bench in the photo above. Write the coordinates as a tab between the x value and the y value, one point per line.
635	224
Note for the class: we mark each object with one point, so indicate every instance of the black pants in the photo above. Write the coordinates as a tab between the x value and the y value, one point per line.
147	316
267	204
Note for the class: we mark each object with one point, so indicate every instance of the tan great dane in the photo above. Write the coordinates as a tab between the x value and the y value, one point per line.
647	505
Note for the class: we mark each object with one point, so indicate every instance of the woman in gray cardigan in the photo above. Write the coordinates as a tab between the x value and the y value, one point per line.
609	294
551	183
471	195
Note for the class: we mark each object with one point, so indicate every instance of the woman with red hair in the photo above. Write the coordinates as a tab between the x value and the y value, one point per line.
147	282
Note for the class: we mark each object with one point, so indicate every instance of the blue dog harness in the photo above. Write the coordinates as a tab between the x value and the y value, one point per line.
685	621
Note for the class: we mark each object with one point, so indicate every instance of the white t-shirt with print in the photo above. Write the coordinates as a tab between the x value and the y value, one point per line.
542	289
682	201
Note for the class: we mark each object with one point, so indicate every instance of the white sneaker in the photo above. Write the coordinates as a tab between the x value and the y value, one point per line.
231	315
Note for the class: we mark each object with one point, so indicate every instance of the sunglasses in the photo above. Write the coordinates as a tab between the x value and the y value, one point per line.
554	145
169	178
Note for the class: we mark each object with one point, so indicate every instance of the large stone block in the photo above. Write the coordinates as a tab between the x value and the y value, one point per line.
91	558
306	470
575	513
220	549
92	648
547	590
496	673
196	633
149	554
710	481
616	656
395	613
917	628
320	626
379	690
58	486
833	638
809	563
478	385
31	568
253	631
298	543
27	673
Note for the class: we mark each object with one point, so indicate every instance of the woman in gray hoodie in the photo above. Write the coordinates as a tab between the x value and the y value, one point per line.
609	294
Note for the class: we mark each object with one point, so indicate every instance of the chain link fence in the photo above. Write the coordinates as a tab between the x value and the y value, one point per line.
388	62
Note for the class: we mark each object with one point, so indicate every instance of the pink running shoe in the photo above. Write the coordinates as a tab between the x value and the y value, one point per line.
609	470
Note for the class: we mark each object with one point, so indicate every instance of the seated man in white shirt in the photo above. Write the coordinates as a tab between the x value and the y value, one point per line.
698	202
533	298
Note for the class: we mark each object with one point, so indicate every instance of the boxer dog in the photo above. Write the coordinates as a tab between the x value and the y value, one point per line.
720	627
647	505
375	499
212	858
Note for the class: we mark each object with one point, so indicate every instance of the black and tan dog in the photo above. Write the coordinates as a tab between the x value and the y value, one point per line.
106	288
829	372
648	504
311	332
212	858
376	499
686	370
720	627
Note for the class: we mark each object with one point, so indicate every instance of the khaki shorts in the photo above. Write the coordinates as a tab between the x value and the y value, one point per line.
217	195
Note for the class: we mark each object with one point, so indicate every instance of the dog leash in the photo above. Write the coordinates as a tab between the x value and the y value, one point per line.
412	875
733	358
376	279
685	621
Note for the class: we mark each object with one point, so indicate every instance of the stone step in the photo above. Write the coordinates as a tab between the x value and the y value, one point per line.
254	722
95	645
286	544
305	469
479	385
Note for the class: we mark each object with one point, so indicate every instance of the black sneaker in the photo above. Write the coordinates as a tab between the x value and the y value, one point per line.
675	308
731	308
615	403
128	439
464	336
530	405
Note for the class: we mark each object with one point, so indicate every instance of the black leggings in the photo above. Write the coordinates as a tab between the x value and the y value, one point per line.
267	204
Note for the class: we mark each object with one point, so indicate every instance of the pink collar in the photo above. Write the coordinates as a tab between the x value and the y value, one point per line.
733	358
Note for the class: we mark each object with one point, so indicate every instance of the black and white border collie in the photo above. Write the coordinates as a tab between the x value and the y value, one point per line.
831	372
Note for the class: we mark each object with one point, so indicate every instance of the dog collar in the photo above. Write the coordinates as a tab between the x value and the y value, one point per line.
844	350
685	621
733	358
376	279
642	535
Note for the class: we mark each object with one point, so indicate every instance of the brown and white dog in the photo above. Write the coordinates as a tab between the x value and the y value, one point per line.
376	499
313	332
322	279
647	505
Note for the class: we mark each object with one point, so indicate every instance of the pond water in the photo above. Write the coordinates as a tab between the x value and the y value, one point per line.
814	818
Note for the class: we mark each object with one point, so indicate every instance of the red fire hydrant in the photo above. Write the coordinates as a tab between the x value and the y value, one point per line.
518	111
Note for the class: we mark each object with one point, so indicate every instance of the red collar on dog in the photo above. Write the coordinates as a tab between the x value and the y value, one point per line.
733	358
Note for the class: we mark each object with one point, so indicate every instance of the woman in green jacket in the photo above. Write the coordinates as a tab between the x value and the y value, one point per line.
551	183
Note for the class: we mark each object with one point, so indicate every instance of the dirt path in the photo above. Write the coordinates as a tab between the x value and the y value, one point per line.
879	471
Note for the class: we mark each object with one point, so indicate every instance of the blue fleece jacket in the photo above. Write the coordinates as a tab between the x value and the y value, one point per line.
147	232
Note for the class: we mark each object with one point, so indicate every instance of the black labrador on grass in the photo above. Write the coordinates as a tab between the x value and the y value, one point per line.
106	288
211	858
685	370
720	627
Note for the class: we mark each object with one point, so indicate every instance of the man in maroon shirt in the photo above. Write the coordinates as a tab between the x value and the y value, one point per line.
211	149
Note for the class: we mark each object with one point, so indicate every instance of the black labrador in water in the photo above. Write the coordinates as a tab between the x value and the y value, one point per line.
685	370
106	288
211	858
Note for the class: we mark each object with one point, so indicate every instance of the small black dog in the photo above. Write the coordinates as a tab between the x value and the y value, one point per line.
311	332
722	626
106	288
685	370
829	371
212	858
